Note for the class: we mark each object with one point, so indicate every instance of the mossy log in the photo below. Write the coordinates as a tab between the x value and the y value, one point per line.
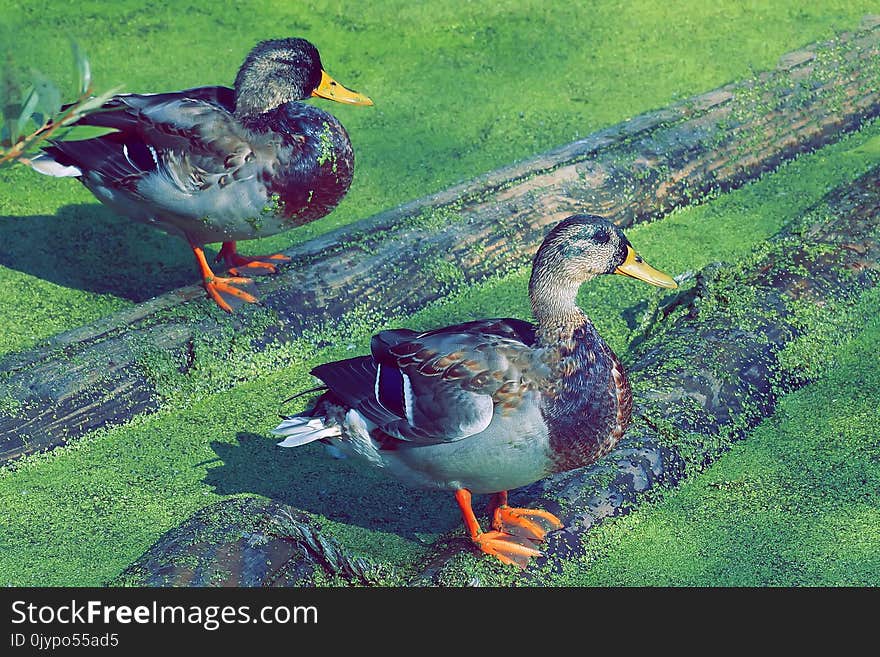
96	375
712	367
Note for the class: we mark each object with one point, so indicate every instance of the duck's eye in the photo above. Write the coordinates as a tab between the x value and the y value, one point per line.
601	237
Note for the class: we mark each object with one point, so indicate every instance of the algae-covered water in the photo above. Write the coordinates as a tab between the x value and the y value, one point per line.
460	89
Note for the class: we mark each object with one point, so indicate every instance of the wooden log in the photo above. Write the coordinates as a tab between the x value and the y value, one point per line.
96	375
684	418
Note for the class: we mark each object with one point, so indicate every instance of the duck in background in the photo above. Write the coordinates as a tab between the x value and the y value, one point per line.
495	404
214	164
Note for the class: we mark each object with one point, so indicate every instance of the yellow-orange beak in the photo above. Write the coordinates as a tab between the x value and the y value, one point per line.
332	90
635	267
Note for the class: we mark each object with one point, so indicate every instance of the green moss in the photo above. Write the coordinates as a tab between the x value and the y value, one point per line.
446	274
256	224
430	219
469	568
326	153
10	406
804	358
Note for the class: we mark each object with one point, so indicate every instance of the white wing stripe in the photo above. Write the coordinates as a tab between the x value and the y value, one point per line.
125	153
376	385
408	399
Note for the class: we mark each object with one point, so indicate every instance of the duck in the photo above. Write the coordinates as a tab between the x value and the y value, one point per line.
218	164
489	405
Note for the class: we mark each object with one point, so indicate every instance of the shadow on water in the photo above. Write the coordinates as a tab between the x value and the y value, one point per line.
87	247
308	478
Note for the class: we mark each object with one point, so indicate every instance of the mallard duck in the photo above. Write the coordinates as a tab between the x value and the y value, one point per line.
214	164
490	405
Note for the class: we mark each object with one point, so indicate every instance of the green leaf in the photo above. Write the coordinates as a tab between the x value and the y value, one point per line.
82	67
27	109
80	132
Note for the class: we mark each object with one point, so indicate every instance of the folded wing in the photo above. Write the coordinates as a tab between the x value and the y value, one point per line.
443	385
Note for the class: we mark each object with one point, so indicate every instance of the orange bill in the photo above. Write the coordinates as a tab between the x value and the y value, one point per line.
332	90
635	267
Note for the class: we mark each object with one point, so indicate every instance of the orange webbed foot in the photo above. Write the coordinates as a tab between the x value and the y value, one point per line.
509	549
266	264
532	524
225	293
528	523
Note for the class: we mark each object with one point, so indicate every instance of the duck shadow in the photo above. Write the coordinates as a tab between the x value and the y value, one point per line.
87	247
308	478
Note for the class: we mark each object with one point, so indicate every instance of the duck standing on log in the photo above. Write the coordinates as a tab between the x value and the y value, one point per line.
214	164
490	405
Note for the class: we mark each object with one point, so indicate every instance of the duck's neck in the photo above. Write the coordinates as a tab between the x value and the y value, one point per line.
255	105
584	420
256	95
555	308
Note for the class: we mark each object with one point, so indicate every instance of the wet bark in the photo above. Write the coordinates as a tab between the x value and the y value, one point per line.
640	169
705	374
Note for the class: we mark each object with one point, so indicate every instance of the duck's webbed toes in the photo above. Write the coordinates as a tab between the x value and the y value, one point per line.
509	549
231	293
532	524
261	264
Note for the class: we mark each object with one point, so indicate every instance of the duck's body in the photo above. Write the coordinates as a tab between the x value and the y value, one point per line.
459	436
272	172
487	406
214	164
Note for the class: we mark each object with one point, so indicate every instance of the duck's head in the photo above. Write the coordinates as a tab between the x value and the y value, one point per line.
279	71
578	249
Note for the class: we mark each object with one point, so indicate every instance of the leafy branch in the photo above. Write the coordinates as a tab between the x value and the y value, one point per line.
32	116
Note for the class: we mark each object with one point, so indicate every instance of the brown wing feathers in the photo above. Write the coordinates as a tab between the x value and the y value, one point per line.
482	364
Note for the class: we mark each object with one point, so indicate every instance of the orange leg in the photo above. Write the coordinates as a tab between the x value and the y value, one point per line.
229	253
217	286
528	523
498	500
508	548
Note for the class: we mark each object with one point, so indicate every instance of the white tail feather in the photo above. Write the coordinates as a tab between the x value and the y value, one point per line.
46	165
303	430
